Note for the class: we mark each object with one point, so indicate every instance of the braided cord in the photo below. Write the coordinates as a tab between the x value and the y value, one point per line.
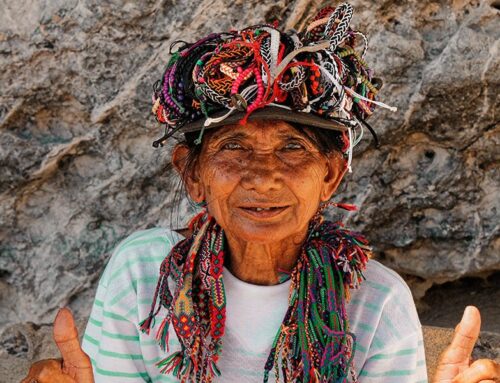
342	17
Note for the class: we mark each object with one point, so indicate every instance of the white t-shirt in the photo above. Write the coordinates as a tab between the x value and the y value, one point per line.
382	315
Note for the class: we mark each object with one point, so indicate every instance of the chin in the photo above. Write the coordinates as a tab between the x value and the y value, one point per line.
260	238
262	232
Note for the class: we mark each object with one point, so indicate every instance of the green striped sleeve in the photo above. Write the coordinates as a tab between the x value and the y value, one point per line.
111	338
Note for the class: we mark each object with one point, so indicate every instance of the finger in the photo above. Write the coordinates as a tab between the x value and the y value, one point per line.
466	334
66	338
47	371
75	362
445	372
456	357
480	370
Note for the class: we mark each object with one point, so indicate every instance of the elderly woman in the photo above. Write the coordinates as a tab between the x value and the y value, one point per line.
260	287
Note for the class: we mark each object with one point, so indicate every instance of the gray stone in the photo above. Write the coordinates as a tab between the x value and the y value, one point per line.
78	173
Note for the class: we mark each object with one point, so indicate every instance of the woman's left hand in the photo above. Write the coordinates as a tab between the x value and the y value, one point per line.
455	362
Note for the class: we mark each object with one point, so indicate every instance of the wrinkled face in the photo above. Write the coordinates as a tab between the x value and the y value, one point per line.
263	181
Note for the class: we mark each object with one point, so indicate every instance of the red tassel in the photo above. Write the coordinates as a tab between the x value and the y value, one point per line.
346	206
163	335
168	364
145	325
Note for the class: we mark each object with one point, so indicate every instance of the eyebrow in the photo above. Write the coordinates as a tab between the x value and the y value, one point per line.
238	135
288	136
243	135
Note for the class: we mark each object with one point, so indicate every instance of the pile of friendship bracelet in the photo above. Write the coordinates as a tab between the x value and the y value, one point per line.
320	70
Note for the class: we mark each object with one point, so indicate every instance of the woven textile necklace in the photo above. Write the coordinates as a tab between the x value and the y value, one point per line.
313	343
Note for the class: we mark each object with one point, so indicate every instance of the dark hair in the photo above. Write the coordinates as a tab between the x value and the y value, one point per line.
326	140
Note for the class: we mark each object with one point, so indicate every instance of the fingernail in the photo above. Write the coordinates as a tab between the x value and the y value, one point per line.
466	314
470	310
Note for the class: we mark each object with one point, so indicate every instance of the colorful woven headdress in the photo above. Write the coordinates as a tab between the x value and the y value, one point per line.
317	77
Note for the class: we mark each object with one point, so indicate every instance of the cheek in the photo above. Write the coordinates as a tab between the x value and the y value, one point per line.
307	184
219	178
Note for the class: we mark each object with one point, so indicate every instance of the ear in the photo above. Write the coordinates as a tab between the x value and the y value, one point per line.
336	169
190	174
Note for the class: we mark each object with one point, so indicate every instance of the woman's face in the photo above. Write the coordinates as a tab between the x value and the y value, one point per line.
262	181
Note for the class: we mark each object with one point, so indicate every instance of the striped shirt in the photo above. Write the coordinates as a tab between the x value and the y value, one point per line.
382	315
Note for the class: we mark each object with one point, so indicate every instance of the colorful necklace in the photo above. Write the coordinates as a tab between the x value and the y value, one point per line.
313	344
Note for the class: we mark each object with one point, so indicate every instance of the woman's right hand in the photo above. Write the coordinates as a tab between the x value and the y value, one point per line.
75	366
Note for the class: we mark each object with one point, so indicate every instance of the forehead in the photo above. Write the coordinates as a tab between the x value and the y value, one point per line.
256	129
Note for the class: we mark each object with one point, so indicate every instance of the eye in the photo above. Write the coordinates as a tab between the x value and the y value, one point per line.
231	146
292	146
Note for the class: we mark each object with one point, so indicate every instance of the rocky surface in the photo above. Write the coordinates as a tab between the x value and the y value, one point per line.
77	171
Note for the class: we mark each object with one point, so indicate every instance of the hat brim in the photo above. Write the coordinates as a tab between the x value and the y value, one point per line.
267	113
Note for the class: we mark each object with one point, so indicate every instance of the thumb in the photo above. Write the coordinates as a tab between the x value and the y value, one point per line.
75	362
456	357
466	333
464	339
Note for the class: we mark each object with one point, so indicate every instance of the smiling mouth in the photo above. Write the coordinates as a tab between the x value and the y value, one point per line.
263	212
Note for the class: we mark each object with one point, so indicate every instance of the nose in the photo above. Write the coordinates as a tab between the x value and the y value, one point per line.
262	173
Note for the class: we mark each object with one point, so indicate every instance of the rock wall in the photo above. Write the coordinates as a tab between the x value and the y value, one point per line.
78	172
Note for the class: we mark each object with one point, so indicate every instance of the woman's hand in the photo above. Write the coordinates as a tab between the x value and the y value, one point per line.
75	366
455	362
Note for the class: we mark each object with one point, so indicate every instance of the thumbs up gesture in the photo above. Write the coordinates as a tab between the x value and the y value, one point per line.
75	366
455	362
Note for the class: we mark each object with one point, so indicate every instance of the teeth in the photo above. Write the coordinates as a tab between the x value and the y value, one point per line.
259	209
263	208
